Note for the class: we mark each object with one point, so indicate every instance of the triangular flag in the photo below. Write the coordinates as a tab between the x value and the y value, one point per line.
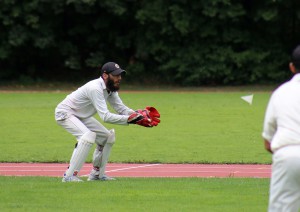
248	98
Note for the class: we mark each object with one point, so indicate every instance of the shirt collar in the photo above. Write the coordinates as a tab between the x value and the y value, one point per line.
103	86
102	83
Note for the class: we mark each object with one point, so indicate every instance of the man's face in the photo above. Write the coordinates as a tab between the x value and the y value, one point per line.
113	82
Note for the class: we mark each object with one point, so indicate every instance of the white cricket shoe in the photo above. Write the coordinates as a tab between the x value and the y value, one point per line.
94	175
105	177
73	178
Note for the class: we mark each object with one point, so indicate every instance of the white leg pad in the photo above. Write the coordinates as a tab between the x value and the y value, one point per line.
106	152
81	152
74	152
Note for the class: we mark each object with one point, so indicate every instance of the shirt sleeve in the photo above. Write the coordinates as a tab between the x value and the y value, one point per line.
98	100
270	124
117	104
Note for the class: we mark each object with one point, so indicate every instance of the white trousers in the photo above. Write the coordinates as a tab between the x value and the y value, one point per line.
78	127
285	180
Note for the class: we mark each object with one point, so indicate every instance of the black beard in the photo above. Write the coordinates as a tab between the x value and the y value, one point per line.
110	85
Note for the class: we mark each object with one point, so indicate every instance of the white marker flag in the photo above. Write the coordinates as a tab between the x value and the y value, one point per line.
248	99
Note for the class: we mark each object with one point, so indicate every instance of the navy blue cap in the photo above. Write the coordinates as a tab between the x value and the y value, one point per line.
112	68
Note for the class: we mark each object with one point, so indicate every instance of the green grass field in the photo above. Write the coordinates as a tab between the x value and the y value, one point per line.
134	194
196	127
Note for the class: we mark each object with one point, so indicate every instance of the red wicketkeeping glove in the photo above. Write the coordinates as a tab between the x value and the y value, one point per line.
147	117
154	115
134	118
151	117
146	121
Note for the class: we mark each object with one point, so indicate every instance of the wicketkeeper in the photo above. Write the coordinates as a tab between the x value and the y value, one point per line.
75	114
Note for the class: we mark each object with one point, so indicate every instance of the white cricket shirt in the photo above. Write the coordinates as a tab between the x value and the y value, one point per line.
282	118
92	98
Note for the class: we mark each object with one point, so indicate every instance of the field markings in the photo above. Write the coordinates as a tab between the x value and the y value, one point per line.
129	168
133	167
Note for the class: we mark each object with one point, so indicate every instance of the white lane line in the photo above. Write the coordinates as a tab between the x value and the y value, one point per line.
133	167
128	168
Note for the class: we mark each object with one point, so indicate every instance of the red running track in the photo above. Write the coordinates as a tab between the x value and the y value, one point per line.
142	170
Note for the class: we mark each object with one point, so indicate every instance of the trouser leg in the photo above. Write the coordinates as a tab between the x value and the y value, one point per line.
285	185
85	137
104	140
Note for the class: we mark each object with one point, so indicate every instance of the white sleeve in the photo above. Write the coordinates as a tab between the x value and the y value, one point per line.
270	124
98	100
117	104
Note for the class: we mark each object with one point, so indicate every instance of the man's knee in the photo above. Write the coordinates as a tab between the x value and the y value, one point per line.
89	136
108	137
111	137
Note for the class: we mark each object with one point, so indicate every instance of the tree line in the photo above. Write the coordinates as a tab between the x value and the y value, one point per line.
178	42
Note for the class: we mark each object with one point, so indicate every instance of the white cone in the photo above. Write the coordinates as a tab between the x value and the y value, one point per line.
248	99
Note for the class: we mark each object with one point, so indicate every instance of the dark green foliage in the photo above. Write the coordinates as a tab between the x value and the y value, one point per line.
216	42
